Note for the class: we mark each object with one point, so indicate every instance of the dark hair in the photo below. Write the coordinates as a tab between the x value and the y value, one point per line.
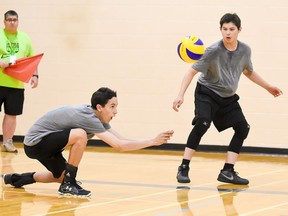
10	13
229	17
101	96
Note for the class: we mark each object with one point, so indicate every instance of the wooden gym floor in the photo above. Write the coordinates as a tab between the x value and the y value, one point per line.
144	183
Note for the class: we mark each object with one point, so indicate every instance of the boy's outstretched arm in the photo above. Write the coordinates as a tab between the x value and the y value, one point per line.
120	143
256	78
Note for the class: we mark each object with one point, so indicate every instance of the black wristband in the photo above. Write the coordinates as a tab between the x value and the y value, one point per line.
35	75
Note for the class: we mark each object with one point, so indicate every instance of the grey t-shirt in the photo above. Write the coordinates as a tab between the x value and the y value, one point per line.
221	69
68	117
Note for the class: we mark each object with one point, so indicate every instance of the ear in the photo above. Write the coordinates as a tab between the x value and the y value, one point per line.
98	107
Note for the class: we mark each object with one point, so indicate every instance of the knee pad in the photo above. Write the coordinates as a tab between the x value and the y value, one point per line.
241	133
200	128
241	130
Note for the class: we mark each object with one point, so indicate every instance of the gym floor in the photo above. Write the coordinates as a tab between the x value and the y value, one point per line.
144	183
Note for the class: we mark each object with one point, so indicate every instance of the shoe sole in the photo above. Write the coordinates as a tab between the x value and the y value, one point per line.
183	181
73	195
231	182
4	149
11	151
179	181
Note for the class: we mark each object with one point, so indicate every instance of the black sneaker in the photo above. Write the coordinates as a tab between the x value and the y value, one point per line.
73	189
182	175
230	176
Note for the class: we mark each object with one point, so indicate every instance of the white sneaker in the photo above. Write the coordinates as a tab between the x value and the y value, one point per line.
8	146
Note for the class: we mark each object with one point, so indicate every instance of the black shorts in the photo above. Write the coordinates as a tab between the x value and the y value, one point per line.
223	112
49	152
13	100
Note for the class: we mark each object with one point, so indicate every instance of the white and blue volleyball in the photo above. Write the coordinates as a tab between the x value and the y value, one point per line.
191	49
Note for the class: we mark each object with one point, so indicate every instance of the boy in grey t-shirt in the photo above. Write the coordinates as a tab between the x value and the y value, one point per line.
72	126
215	97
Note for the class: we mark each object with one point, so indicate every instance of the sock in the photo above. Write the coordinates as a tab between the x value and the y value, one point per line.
70	173
185	163
228	166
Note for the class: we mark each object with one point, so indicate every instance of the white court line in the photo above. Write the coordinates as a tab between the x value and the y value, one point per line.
155	194
199	199
105	203
268	173
265	209
131	198
150	195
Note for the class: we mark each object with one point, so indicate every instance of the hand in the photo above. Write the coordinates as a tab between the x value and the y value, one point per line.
163	137
177	103
34	82
3	64
274	91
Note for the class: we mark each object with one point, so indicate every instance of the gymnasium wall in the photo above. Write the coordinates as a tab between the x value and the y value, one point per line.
130	46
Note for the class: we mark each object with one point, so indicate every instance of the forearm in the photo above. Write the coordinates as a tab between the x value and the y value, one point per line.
254	77
123	144
188	77
131	145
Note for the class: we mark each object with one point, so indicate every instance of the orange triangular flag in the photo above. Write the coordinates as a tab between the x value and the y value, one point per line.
24	68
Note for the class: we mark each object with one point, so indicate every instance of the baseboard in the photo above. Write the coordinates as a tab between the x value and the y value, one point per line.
201	148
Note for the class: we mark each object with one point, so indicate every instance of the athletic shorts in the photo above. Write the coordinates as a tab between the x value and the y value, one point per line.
13	100
49	152
223	112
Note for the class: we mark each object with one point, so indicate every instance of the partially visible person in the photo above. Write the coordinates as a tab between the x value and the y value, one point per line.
215	97
14	44
72	126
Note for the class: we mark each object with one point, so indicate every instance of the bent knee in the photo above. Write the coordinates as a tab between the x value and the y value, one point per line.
78	135
201	126
242	130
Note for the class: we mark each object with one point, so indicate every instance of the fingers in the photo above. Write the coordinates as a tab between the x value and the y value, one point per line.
176	105
277	93
176	108
3	64
163	137
167	135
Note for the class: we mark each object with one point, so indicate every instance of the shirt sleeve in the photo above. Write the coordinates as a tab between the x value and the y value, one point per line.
203	64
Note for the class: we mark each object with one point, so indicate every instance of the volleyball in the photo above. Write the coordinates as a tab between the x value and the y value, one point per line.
190	49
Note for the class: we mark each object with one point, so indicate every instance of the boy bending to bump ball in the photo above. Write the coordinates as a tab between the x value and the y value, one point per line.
215	96
72	126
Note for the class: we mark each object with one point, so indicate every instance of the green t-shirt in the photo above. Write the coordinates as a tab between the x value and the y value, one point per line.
18	44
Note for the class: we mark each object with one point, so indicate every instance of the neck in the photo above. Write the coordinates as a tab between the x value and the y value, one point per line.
231	46
10	31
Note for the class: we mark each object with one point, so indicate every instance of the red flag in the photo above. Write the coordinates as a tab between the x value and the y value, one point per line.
24	68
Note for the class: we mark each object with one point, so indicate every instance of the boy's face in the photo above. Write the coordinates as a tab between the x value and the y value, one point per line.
106	113
230	32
